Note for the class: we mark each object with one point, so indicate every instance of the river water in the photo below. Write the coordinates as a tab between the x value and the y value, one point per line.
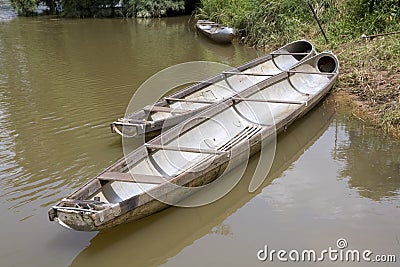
63	81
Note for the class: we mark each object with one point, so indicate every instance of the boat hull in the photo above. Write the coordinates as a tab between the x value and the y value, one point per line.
155	206
222	38
216	32
144	204
87	222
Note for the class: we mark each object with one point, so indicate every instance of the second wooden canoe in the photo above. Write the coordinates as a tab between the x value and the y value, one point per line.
215	31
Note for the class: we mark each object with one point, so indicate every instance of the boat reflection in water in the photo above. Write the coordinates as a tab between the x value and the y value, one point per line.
151	241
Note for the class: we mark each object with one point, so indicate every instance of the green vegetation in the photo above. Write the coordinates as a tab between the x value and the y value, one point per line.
25	7
370	69
88	8
149	8
264	22
260	22
102	8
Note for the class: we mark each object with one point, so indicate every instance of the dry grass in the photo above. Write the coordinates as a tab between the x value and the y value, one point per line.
370	75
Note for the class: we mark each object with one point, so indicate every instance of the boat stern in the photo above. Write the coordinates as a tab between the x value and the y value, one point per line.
82	216
293	53
80	221
126	129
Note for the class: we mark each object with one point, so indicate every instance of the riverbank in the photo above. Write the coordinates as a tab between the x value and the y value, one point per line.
370	68
370	79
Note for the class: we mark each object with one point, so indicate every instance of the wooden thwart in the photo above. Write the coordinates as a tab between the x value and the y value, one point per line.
184	149
121	123
127	177
247	74
164	109
189	100
270	101
311	72
209	24
288	54
76	209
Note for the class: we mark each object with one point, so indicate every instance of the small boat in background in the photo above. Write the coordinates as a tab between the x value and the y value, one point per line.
197	151
215	31
185	103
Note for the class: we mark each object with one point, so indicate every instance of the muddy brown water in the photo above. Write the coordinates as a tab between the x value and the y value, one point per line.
63	81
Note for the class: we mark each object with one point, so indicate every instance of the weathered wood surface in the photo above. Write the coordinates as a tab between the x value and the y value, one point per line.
184	149
247	73
189	100
277	101
164	109
127	177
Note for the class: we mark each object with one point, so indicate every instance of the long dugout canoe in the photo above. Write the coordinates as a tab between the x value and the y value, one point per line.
197	151
191	100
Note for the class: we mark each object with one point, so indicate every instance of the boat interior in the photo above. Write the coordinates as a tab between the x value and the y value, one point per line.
227	126
236	81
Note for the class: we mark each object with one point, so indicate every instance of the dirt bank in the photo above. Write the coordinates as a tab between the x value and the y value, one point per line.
370	79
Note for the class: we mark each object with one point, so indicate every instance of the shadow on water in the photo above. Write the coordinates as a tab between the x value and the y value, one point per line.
153	240
224	52
372	159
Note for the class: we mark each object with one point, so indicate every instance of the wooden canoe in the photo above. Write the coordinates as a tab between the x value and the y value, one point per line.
122	192
191	100
215	31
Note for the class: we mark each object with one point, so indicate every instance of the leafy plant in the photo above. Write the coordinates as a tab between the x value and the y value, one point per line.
25	7
156	8
102	8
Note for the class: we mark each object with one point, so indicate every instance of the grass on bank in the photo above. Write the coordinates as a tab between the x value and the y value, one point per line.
370	70
269	22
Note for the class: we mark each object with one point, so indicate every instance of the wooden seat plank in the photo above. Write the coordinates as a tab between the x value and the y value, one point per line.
164	109
184	149
138	178
190	100
278	101
247	73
